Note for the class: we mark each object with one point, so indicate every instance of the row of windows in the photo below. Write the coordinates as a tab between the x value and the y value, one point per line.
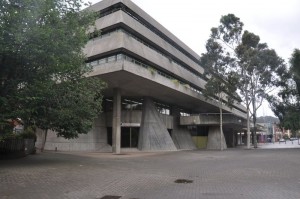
134	104
113	58
164	55
184	114
147	25
151	47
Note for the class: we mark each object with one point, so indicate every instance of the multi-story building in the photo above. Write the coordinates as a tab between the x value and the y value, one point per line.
154	97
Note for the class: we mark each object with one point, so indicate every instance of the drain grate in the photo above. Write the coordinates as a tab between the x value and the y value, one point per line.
183	181
111	197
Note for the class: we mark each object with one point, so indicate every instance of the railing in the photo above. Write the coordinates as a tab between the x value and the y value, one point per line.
11	148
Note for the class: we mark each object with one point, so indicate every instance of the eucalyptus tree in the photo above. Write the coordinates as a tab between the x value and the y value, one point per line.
295	68
286	104
42	65
252	62
220	82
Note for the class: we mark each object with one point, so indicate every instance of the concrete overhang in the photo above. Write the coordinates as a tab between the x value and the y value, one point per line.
229	120
136	81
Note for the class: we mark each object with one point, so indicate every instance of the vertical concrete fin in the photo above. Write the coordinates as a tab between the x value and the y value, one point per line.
153	135
213	140
181	135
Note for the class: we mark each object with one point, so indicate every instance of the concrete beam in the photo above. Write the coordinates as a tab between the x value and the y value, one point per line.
212	119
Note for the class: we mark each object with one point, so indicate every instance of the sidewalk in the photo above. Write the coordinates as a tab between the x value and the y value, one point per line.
276	145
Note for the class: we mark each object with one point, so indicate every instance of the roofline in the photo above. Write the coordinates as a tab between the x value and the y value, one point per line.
140	12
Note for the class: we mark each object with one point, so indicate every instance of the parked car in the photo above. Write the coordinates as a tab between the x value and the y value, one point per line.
282	140
292	138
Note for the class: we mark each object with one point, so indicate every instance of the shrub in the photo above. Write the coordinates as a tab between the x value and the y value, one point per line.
29	133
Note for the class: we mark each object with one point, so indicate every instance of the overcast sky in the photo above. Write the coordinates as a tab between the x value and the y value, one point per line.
277	22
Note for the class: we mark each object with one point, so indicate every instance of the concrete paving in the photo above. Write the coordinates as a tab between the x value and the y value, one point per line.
229	174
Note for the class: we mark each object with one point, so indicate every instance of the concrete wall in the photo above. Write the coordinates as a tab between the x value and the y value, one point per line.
153	135
167	120
134	118
180	134
127	117
95	140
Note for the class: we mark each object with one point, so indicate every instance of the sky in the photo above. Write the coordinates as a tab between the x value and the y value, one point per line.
277	22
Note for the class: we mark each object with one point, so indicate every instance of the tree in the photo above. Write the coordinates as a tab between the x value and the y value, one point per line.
287	105
252	62
295	68
221	81
42	65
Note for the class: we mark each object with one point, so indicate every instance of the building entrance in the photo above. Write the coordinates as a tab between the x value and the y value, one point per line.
129	137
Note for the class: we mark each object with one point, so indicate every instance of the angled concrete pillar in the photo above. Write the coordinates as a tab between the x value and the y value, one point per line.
153	135
116	127
214	140
180	134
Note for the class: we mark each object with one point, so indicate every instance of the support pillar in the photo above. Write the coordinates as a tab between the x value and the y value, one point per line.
181	135
213	140
116	127
154	135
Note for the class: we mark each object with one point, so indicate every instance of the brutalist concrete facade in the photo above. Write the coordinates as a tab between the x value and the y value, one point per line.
154	97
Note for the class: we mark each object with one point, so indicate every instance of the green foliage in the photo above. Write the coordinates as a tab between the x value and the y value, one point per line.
285	137
295	68
42	65
286	106
186	86
176	82
239	63
29	133
9	136
152	70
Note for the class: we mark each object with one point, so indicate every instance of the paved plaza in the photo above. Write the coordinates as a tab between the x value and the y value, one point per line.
229	174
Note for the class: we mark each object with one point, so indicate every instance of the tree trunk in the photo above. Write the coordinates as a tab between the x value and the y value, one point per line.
254	123
248	129
221	129
248	125
44	140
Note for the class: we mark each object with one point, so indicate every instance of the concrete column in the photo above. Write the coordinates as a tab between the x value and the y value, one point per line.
116	127
181	135
213	140
153	135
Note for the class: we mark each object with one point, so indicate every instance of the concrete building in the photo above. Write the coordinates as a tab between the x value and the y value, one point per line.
154	99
